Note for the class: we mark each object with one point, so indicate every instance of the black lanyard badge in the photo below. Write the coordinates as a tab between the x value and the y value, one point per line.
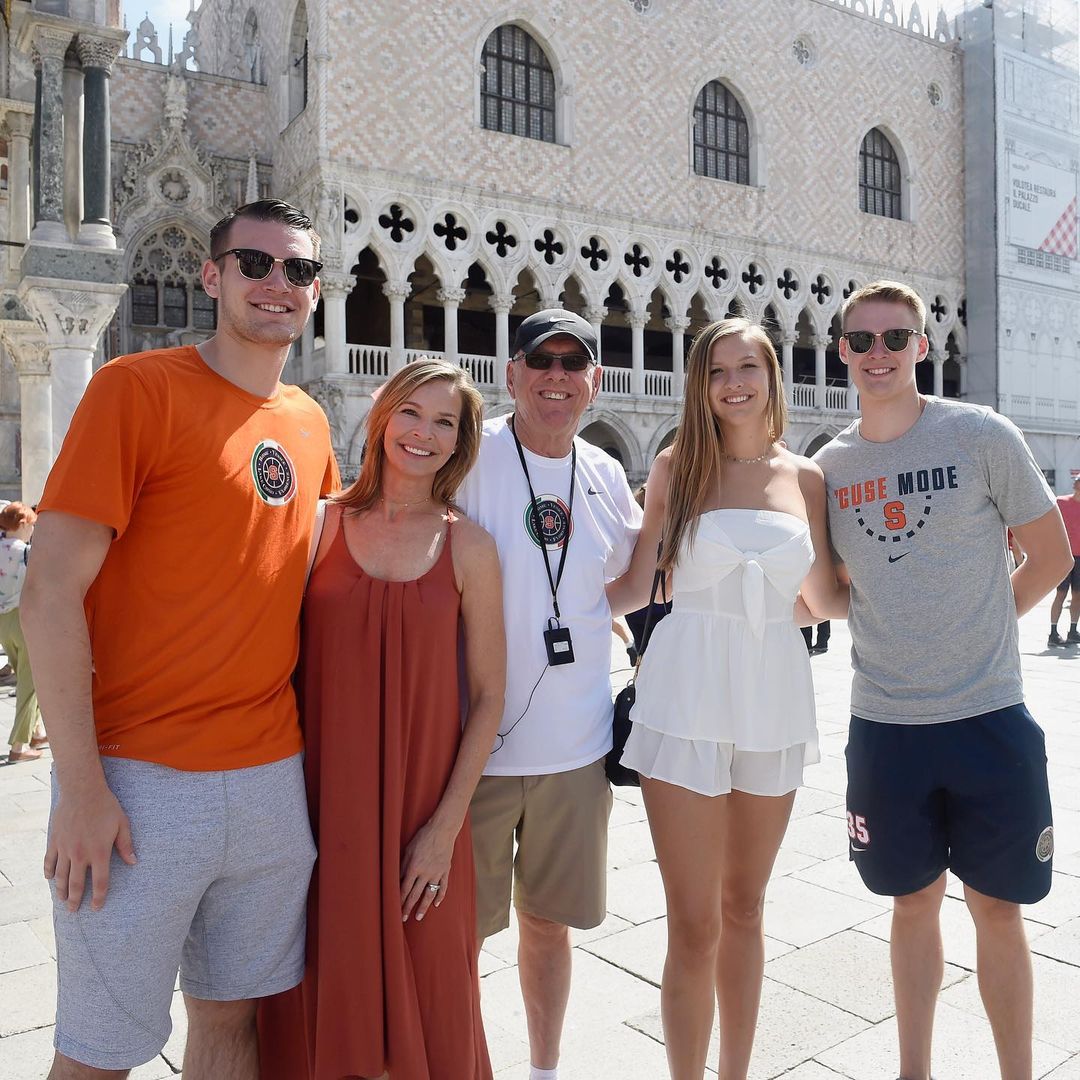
557	640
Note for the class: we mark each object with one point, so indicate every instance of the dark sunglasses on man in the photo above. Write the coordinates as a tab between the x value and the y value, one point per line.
862	341
256	265
541	361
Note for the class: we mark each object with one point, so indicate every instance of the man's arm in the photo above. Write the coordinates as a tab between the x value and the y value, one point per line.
1049	559
88	821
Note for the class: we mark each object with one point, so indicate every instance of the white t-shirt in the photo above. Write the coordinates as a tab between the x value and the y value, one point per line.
567	723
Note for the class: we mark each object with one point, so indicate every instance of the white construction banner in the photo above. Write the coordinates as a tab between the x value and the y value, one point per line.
1042	207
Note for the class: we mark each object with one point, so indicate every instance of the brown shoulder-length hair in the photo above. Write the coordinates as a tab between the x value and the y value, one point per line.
365	491
699	442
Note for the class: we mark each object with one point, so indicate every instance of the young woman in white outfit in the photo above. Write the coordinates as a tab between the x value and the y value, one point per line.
724	719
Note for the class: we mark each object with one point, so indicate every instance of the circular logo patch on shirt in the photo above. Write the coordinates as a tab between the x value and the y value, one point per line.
273	473
555	525
1044	846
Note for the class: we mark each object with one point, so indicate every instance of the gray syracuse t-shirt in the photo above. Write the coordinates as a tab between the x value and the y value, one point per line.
920	523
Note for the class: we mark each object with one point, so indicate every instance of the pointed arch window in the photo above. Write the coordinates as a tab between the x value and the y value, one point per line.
298	62
166	290
880	188
517	87
721	135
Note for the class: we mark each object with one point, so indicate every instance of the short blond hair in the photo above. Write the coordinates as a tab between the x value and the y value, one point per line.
892	292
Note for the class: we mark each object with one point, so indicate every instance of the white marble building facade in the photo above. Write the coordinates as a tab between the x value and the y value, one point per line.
1023	127
441	231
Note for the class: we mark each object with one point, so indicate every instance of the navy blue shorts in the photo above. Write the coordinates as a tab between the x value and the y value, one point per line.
1073	577
970	795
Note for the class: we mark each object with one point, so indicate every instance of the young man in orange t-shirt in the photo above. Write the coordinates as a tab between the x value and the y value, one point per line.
162	613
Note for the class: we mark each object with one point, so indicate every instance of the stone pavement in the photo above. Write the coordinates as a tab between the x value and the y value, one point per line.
827	1008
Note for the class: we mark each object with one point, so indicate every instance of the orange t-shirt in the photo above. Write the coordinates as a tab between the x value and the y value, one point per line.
194	614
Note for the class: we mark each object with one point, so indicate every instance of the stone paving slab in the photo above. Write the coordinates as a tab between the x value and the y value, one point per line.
963	1047
827	1005
800	1027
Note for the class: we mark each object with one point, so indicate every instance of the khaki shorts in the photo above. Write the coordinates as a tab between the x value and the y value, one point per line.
559	872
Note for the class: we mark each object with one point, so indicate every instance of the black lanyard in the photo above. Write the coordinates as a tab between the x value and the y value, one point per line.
553	581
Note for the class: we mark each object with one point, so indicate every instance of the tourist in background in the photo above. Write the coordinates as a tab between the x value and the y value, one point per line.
27	736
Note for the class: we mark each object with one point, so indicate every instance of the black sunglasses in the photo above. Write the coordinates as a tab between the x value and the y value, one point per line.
256	265
862	341
541	361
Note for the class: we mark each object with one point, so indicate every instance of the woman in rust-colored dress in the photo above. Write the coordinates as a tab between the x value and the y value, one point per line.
399	579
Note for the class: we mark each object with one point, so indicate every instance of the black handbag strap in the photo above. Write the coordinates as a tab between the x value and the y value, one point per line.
659	581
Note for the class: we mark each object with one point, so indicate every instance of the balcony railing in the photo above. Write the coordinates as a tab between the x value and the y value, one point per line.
804	396
486	371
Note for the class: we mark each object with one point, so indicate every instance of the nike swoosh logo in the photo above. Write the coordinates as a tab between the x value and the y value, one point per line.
304	433
593	492
855	847
897	558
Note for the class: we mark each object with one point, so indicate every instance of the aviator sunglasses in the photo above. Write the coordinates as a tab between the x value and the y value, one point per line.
256	265
862	341
542	361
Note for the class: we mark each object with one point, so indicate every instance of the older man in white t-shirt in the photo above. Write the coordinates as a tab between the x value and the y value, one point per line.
565	522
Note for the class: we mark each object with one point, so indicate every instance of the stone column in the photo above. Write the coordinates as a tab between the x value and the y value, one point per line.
820	345
939	374
852	393
50	44
30	357
787	364
73	134
18	126
595	317
73	314
678	325
97	56
397	292
501	303
451	301
334	290
637	321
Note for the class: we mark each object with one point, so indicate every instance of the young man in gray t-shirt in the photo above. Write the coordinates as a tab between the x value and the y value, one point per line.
946	768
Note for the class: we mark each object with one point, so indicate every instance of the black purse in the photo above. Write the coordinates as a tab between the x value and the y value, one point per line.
617	773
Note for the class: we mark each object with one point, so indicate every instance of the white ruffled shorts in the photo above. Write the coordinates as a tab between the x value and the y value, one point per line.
716	768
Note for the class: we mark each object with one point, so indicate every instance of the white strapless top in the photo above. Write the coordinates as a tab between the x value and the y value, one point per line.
729	664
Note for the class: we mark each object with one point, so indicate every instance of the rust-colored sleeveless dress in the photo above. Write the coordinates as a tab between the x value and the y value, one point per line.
378	688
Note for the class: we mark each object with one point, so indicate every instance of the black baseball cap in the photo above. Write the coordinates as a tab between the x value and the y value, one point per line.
549	322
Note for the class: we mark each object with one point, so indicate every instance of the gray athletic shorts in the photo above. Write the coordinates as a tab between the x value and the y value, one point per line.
218	893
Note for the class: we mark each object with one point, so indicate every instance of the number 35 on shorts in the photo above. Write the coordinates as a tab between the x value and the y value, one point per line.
857	830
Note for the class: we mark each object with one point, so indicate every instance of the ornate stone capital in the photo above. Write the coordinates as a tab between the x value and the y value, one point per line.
821	342
787	338
637	319
336	286
18	125
68	315
501	303
677	324
450	296
397	292
28	350
50	43
594	315
97	52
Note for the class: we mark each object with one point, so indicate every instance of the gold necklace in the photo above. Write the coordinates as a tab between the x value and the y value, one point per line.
395	504
747	460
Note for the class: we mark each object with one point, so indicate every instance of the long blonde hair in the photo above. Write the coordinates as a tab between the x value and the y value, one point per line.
364	492
699	442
